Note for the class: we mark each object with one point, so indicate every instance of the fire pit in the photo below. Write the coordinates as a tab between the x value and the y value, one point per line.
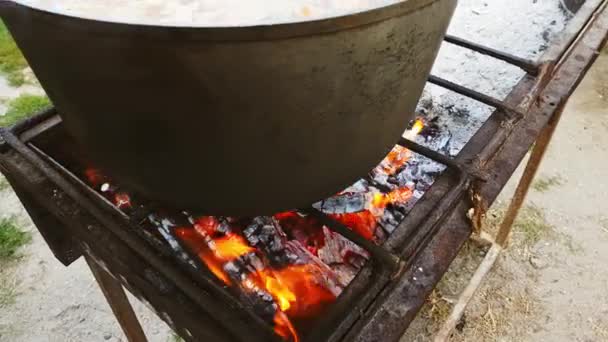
354	267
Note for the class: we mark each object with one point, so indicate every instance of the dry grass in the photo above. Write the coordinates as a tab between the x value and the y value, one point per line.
529	227
600	329
502	306
544	184
439	307
8	290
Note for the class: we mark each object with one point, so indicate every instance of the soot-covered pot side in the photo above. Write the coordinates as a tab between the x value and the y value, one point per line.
236	120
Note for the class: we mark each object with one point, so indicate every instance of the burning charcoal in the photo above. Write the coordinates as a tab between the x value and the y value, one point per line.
305	229
422	172
363	223
165	227
340	250
361	185
393	162
331	280
343	203
390	220
345	273
379	235
266	234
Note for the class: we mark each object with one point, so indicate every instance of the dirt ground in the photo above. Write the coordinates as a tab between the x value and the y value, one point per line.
552	284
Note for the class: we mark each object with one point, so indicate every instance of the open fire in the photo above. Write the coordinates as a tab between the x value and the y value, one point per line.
288	267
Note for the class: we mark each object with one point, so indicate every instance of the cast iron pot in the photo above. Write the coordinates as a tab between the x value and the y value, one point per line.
236	120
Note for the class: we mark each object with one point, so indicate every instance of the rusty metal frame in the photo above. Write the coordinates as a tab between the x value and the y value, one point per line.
496	150
390	289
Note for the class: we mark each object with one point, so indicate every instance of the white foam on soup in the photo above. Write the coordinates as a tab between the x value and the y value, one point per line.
206	12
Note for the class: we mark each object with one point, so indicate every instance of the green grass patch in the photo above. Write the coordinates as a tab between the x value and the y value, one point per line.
12	61
3	183
543	184
11	239
23	106
175	338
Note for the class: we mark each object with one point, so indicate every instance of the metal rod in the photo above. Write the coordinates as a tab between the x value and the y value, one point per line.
532	166
475	95
119	303
527	65
393	261
427	152
465	297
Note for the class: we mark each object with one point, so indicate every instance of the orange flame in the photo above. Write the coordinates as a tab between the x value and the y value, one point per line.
417	127
281	293
230	247
365	222
415	130
215	267
296	290
400	195
284	328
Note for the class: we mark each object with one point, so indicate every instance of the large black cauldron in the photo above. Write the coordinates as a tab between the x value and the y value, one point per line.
236	120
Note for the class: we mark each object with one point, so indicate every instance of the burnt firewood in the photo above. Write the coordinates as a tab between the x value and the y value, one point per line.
340	250
249	292
266	234
330	279
165	226
391	219
345	273
344	203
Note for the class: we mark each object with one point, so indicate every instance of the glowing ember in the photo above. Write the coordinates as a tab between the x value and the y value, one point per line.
94	177
363	223
122	200
395	160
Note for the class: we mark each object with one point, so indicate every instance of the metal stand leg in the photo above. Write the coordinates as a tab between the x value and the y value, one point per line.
538	152
504	231
116	297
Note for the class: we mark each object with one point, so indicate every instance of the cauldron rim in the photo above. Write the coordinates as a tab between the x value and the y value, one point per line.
279	30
